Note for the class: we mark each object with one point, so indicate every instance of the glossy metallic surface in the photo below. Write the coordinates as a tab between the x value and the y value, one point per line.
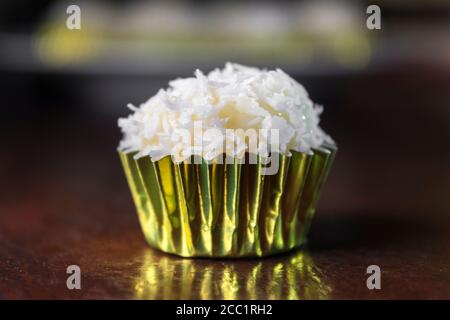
227	210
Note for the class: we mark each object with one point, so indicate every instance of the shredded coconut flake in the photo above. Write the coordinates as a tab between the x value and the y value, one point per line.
235	97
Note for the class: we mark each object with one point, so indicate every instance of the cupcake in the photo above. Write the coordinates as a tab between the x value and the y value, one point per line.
228	164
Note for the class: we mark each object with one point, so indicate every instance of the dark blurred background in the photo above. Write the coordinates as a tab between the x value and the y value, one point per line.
386	92
386	95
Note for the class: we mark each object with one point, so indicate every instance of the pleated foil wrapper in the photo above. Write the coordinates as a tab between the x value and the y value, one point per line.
227	210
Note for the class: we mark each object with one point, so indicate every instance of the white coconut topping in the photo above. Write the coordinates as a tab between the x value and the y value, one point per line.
236	97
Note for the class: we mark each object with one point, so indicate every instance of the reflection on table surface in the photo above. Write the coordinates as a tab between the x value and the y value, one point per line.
292	276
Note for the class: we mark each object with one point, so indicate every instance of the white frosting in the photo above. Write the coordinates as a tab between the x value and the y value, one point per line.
236	97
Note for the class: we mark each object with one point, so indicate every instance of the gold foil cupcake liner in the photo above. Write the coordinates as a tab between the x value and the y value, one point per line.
227	210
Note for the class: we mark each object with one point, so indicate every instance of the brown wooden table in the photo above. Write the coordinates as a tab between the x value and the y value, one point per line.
64	201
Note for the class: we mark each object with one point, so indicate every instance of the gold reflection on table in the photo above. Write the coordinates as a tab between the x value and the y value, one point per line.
292	276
